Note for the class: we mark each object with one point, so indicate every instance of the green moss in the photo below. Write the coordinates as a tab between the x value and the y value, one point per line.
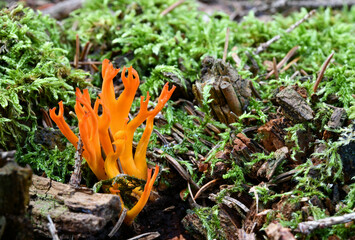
34	71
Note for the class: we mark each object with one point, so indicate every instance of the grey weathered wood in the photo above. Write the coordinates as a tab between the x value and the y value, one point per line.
75	212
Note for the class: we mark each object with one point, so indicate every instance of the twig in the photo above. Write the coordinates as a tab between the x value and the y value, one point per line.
231	203
75	178
235	57
86	63
290	64
191	194
321	73
149	235
276	72
284	60
85	52
46	118
265	45
253	189
205	187
62	9
226	45
183	173
77	51
308	227
51	228
118	223
172	7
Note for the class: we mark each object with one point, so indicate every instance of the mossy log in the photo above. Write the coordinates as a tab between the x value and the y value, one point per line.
77	213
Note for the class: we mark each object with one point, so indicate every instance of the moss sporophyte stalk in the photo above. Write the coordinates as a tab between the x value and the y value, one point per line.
95	130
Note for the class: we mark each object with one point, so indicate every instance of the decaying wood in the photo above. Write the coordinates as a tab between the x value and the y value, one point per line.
63	9
230	93
308	227
294	106
262	47
14	198
76	213
269	167
277	232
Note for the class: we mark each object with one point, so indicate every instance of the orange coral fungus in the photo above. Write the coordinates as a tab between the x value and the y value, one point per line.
95	130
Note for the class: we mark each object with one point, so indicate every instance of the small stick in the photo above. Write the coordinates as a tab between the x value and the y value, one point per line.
172	7
309	226
276	72
148	235
118	223
46	118
75	178
262	47
226	45
86	63
85	52
304	73
51	228
235	57
290	64
191	194
77	52
284	60
183	173
321	73
205	187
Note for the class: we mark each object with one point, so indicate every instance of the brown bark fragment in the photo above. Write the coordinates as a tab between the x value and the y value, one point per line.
276	232
75	212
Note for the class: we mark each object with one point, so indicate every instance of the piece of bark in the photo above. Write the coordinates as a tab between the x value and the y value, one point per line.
277	232
77	213
269	167
294	106
273	133
230	93
14	198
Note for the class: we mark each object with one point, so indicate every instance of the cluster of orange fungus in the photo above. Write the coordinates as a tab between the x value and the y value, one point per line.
97	130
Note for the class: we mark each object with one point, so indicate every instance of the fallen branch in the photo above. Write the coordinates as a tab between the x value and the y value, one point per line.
262	47
308	227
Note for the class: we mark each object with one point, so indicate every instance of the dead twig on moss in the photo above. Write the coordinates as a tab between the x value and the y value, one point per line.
172	7
262	47
205	187
225	51
321	73
276	72
77	51
308	227
284	60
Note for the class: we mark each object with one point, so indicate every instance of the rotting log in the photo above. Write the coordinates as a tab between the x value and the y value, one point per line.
76	213
14	185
